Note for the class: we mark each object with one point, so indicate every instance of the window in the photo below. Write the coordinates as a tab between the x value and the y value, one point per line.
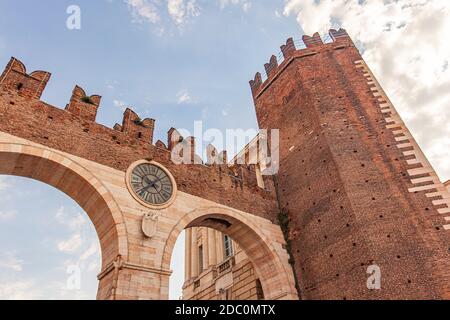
228	246
259	290
228	294
200	259
225	294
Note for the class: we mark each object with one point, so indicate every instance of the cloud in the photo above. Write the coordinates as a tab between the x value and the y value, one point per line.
181	10
246	5
71	245
91	251
405	43
32	289
80	246
19	290
111	84
7	215
72	221
9	260
183	97
122	105
93	266
162	14
144	10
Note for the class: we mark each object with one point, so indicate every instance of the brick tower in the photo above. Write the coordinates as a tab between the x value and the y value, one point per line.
357	189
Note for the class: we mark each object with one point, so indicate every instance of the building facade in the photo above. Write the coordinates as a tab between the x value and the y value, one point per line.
351	191
216	268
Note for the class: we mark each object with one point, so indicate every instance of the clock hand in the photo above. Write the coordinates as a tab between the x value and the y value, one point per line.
144	188
148	180
151	185
152	182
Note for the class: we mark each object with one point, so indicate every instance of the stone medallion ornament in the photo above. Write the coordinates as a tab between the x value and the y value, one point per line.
150	224
151	184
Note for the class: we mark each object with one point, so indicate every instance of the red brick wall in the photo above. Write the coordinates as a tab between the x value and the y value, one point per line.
74	131
343	182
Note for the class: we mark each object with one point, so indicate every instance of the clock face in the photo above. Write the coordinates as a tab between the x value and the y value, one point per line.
151	184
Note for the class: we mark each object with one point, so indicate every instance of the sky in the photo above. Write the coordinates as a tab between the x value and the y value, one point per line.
179	61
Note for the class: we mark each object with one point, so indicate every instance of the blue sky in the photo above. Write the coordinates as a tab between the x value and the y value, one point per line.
178	61
124	58
42	233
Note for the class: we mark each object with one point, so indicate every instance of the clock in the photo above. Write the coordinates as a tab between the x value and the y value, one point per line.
151	184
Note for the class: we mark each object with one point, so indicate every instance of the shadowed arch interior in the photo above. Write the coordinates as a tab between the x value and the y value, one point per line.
273	274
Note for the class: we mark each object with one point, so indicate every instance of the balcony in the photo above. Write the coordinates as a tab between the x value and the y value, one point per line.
225	266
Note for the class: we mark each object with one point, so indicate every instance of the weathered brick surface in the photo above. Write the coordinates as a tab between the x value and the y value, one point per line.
74	131
343	179
16	79
344	183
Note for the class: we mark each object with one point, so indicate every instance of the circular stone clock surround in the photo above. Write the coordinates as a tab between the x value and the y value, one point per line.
128	181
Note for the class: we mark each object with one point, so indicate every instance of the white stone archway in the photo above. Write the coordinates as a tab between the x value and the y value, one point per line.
135	266
261	240
65	174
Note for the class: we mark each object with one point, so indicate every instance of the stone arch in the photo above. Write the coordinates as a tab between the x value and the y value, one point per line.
261	240
68	176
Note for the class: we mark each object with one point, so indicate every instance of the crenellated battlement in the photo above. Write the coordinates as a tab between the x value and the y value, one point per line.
135	127
15	79
351	189
272	66
314	41
288	49
309	45
83	105
352	183
74	130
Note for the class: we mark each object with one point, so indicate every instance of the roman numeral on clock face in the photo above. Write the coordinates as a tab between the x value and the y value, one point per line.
151	184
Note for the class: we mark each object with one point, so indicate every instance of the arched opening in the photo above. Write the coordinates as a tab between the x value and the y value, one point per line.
134	264
48	247
268	257
57	170
177	265
208	265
